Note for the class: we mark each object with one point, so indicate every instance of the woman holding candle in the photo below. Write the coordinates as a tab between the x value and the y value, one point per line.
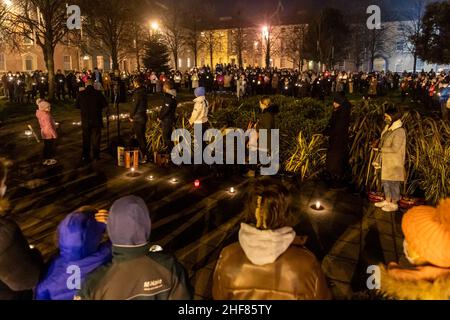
393	154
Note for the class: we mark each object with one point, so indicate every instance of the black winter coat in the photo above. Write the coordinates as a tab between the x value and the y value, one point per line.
169	108
20	266
91	103
338	131
140	102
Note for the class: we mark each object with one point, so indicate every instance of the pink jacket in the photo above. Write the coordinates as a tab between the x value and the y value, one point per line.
47	124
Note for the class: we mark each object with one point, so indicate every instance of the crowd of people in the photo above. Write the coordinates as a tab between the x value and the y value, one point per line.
97	249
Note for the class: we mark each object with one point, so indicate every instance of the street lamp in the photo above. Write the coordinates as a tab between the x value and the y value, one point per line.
154	26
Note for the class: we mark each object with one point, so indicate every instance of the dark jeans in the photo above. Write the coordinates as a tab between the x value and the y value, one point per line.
167	127
91	137
49	149
139	130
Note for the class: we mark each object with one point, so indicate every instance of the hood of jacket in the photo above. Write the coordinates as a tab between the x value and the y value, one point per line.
129	223
171	93
437	288
79	236
265	246
199	99
272	109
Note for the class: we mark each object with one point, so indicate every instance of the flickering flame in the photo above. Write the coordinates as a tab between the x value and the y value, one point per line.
318	205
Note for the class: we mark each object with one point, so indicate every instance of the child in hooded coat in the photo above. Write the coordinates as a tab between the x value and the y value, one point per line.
48	131
80	250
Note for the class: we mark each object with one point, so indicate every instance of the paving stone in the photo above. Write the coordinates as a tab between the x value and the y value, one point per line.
346	250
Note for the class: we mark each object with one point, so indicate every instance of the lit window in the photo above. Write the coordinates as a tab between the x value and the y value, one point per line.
28	63
28	40
188	62
67	63
100	63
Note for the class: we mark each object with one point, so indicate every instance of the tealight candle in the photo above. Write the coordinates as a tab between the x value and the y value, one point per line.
232	190
318	206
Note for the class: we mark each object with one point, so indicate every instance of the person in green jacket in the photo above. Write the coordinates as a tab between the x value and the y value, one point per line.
137	271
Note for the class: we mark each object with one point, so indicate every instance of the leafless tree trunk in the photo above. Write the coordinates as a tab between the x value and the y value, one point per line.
43	22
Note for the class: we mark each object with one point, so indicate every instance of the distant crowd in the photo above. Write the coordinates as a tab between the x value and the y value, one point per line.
425	87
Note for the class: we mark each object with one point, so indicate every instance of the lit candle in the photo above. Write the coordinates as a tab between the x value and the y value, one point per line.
232	190
133	169
174	180
151	178
318	205
28	133
197	183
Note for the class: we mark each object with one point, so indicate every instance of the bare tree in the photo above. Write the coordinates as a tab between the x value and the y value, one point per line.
295	45
378	41
138	35
358	44
107	25
211	41
239	39
412	27
193	23
173	31
43	22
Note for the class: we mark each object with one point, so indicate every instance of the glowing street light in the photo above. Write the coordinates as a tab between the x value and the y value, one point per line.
265	32
154	25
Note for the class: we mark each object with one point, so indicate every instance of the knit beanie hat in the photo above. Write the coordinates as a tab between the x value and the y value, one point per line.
339	98
427	232
129	222
43	105
200	92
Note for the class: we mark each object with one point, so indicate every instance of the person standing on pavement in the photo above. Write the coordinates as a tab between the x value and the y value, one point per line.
60	80
393	155
139	117
338	133
48	131
167	115
91	103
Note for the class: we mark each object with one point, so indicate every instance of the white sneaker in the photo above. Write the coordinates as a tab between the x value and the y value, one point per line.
391	207
381	204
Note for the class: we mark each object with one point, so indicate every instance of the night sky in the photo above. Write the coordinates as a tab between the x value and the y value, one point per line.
307	7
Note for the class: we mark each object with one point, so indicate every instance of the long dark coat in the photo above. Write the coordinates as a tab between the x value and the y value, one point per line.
338	131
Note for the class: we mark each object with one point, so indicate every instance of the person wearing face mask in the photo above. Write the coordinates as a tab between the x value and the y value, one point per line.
392	148
20	266
427	248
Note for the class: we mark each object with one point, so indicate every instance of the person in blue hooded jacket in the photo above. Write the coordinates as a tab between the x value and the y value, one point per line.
443	98
80	248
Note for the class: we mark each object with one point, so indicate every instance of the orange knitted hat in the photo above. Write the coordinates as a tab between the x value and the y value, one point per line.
427	231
